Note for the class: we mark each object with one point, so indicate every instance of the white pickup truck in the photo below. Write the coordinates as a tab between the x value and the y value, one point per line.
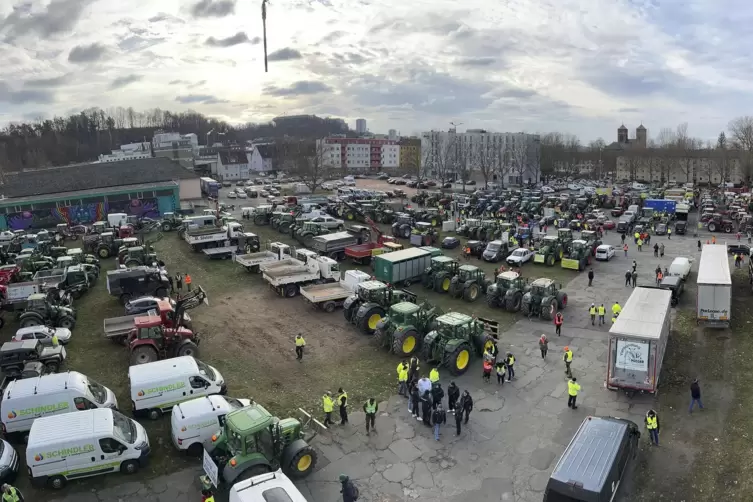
329	296
275	252
298	257
208	237
286	281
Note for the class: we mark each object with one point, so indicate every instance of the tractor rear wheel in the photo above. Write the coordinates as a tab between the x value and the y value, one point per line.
561	300
550	260
302	463
406	343
67	322
442	283
513	302
103	253
548	309
143	354
492	301
458	360
132	263
31	321
368	323
188	348
525	308
405	231
471	293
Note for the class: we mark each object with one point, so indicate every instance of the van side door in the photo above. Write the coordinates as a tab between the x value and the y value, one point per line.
110	454
198	385
82	403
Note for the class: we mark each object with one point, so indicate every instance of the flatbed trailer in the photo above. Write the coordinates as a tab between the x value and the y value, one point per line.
221	253
51	276
117	328
287	281
363	253
252	262
332	295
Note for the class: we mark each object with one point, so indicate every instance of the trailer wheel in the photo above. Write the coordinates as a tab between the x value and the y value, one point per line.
407	283
291	290
328	307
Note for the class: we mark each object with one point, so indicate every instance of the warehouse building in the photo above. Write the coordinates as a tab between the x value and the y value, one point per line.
85	193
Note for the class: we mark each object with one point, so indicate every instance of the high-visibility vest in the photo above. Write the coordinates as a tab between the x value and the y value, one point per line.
342	399
602	310
511	360
572	388
651	423
592	310
187	279
616	309
371	408
12	496
614	319
569	356
434	375
300	342
55	341
327	404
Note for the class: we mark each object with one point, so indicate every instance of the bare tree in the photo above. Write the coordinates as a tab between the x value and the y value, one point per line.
306	160
485	157
741	132
438	155
518	155
552	152
464	159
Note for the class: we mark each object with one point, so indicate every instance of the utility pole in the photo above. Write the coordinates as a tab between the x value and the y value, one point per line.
264	25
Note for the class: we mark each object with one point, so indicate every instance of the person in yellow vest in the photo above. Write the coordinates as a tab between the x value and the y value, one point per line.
614	318
572	393
328	406
616	309
637	236
402	378
342	402
510	366
370	407
434	375
652	424
12	494
669	237
55	341
602	312
300	343
592	312
568	358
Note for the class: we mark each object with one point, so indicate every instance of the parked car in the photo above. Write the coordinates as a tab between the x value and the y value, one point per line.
520	256
450	242
232	195
142	305
242	195
604	252
43	333
738	248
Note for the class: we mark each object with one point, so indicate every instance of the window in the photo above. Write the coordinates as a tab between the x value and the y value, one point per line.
118	197
136	195
109	445
44	205
83	404
276	494
92	200
23	207
198	383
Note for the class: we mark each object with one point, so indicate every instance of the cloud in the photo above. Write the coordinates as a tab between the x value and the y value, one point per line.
47	82
87	53
197	84
125	81
162	16
237	39
486	61
300	88
204	99
177	82
58	17
286	54
25	96
209	8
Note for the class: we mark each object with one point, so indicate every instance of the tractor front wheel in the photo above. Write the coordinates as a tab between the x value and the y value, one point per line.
550	260
561	300
525	308
548	309
188	348
492	301
368	323
144	354
513	302
67	322
103	253
459	359
302	463
406	343
471	293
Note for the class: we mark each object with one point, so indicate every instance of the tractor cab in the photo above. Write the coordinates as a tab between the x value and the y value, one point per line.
371	291
469	273
422	228
443	263
565	235
76	254
591	238
99	227
507	280
44	236
403	313
64	262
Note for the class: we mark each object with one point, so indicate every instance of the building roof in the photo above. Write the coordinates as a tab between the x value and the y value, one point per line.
233	157
622	128
641	128
92	176
266	151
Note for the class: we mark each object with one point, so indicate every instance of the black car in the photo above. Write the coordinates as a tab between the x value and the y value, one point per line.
676	285
681	227
738	248
661	229
450	242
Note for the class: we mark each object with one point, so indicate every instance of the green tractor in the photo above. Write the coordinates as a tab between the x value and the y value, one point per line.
507	292
305	235
578	257
543	299
252	441
403	329
429	235
565	235
403	225
550	251
276	218
170	222
488	230
284	223
40	312
431	215
263	215
443	266
455	339
370	304
470	283
468	227
137	256
592	239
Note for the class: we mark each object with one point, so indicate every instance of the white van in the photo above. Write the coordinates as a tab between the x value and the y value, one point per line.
194	422
117	219
157	387
349	181
95	442
267	486
25	401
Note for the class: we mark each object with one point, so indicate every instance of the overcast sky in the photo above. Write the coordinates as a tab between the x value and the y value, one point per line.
576	66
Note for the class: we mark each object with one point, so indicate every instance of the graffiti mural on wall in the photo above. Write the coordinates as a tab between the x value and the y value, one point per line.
82	214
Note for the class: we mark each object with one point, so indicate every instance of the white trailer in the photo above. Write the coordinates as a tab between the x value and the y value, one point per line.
243	243
276	251
18	292
331	295
714	296
286	281
298	257
210	237
638	341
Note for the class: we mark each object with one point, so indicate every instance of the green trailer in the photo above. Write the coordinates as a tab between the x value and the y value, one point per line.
402	267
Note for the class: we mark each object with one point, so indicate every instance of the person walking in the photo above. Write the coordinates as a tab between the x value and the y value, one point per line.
434	374
558	320
622	238
500	370
699	244
12	494
415	402
572	393
634	277
179	283
342	402
616	309
402	378
590	276
695	395
458	417
370	407
635	266
188	281
437	394
628	276
300	343
426	408
438	418
640	244
453	394
466	405
602	312
510	366
656	250
592	313
568	358
669	233
652	424
328	406
349	490
543	346
661	250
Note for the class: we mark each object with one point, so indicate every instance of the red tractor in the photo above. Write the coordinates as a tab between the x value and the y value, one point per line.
155	337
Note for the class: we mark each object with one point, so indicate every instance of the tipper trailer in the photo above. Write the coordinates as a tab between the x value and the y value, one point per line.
276	251
287	281
329	296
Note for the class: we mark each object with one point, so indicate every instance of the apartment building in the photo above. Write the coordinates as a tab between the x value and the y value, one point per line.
359	154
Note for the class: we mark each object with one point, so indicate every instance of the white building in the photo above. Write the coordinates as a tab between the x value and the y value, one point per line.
262	158
390	155
182	148
129	151
515	157
234	165
392	134
358	155
361	126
